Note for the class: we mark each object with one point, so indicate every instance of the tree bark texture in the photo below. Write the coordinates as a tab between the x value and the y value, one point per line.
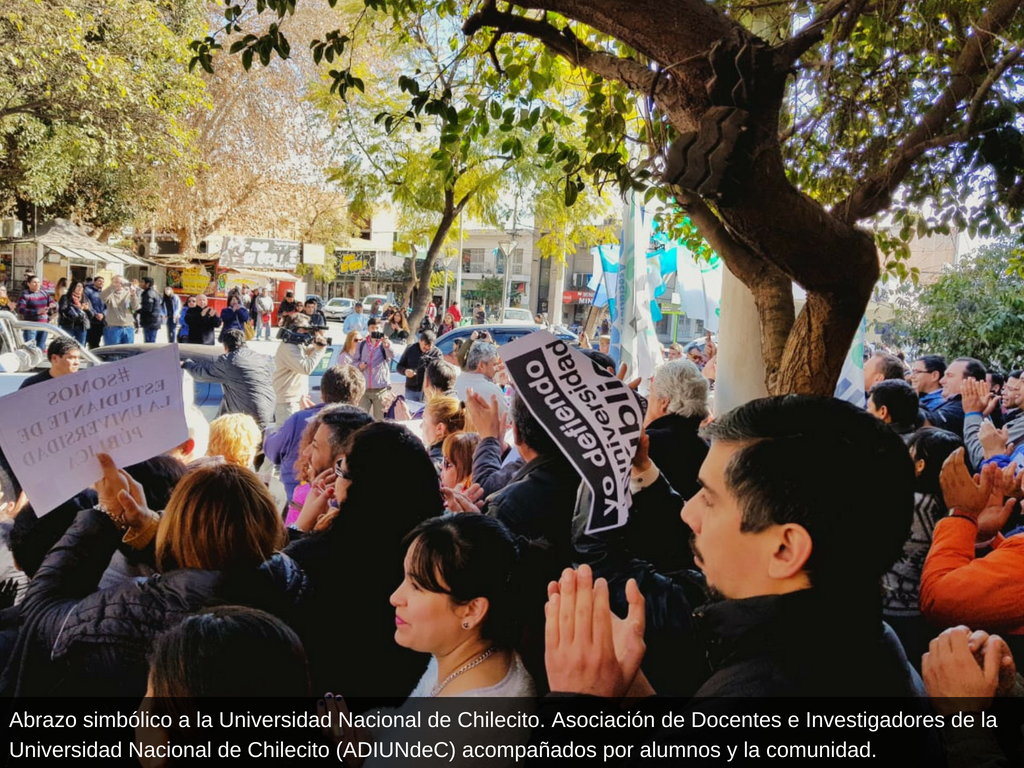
767	231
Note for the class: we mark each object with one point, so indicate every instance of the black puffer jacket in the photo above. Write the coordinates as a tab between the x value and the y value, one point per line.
76	640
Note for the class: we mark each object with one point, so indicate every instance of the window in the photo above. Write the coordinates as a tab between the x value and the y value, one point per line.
473	260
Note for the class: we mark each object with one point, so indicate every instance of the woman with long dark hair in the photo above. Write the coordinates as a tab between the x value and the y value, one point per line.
75	312
354	564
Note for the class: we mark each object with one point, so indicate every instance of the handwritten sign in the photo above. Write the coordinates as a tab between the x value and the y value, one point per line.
593	418
132	409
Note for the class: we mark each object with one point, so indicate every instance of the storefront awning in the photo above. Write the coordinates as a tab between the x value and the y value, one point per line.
267	274
72	253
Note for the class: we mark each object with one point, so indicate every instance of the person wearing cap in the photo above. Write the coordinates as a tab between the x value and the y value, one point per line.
287	308
151	310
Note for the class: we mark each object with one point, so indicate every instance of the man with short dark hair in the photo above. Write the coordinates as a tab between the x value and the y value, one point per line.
786	555
340	384
950	415
316	318
894	402
245	377
925	375
93	291
539	500
880	367
64	355
414	361
151	310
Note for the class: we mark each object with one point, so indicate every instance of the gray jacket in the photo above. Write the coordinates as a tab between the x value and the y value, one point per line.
972	423
245	376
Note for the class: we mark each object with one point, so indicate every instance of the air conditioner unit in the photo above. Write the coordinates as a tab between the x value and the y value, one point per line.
11	228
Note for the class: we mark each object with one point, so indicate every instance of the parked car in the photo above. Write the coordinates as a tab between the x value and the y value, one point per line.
373	298
315	297
338	308
517	316
500	332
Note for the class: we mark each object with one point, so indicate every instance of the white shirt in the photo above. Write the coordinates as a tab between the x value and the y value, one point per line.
482	386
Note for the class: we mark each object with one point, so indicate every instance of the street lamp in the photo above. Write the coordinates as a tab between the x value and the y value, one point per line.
508	248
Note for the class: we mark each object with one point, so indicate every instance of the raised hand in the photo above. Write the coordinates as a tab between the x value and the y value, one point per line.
994	442
975	395
960	489
584	650
486	416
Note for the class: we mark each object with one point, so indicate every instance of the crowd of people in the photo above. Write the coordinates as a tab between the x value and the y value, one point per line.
452	545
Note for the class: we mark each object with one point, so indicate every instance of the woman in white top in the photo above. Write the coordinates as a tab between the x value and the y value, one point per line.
469	582
459	602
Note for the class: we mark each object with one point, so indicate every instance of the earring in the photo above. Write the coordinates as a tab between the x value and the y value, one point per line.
465	625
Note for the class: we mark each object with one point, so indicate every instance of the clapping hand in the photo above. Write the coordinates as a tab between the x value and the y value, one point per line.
486	416
975	395
994	442
317	502
960	490
959	681
466	501
587	649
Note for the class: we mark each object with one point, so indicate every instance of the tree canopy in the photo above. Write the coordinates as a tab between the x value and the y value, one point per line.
975	309
91	97
777	126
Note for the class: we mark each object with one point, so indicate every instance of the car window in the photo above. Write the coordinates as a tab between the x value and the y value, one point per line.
325	363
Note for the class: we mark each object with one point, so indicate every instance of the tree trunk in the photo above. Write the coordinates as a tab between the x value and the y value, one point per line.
448	216
766	230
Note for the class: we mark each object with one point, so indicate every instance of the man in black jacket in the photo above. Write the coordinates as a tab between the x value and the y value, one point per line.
414	361
150	310
244	375
792	564
539	501
950	415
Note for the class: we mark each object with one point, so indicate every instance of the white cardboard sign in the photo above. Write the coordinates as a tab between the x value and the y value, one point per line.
50	432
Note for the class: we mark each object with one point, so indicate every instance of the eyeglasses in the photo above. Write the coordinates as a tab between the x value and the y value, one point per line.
339	469
915	372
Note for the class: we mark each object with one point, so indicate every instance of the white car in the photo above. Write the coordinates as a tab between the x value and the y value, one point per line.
517	316
338	309
372	299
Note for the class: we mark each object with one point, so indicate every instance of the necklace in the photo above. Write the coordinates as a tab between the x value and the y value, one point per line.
478	660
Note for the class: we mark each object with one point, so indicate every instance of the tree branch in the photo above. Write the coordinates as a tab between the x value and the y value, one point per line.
874	192
663	86
792	49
